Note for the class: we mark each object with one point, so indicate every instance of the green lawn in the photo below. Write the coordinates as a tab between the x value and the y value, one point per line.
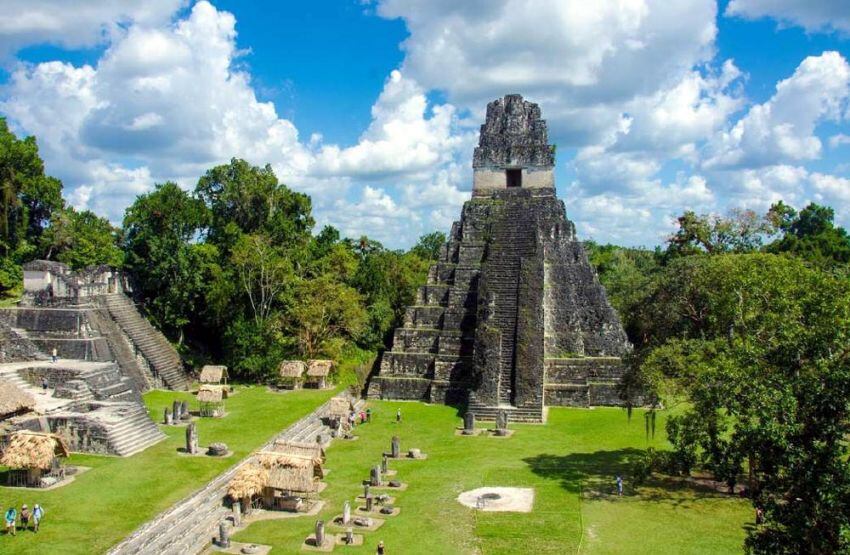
570	462
108	502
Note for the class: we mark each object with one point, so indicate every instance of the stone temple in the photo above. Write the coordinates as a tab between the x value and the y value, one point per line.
513	317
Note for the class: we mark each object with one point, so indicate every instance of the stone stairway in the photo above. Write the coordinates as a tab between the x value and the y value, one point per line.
163	360
526	413
189	526
135	432
13	376
122	350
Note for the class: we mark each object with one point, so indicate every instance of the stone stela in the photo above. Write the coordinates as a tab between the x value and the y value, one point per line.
513	317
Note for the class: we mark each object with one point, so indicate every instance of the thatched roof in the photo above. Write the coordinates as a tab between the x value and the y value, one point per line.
212	374
292	368
248	481
210	394
319	368
339	407
292	478
297	449
14	399
33	450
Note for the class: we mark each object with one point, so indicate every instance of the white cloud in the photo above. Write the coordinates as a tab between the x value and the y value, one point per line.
77	24
783	128
813	15
585	62
166	102
838	140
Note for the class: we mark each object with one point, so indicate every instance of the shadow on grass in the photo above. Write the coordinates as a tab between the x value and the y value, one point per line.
593	476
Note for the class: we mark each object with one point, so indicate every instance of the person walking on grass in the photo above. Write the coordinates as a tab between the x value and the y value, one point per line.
380	550
368	414
398	416
619	485
25	517
37	515
55	355
11	518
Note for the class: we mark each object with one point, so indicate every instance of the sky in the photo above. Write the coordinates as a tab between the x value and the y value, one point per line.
372	106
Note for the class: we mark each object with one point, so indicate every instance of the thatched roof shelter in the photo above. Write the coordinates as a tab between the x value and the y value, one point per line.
213	374
210	394
297	449
339	407
292	369
319	368
248	481
33	450
14	399
292	478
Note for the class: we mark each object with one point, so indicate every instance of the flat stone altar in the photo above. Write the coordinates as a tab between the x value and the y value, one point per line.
513	317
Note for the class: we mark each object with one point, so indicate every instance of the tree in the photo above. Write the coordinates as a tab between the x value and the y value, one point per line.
757	346
170	268
81	239
739	231
325	309
811	235
429	246
263	273
248	199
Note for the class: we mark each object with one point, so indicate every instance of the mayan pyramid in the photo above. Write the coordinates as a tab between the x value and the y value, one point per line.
513	316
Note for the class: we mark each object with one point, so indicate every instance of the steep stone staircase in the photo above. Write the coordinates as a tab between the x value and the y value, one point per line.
189	526
163	360
134	432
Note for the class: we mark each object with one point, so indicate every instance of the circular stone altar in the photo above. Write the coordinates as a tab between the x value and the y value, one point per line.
495	499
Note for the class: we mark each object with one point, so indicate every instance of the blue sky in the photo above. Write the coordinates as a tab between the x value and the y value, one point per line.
373	107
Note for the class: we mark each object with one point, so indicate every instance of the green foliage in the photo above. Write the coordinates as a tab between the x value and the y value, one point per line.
811	235
248	199
428	247
170	270
81	239
738	232
757	346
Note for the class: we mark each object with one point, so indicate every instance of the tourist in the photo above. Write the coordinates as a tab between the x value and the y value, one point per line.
380	548
362	417
619	485
352	420
368	415
25	517
55	354
37	515
398	416
759	515
11	518
44	386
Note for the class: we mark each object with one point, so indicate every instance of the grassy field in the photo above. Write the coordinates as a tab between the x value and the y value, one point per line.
570	462
109	501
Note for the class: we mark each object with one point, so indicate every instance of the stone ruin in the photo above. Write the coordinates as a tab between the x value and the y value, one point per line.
513	316
108	354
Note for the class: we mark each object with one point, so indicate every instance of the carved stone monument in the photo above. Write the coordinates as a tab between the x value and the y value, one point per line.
469	423
320	533
513	312
369	503
346	513
167	417
191	439
184	411
395	448
366	490
384	467
502	423
223	534
375	478
175	412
